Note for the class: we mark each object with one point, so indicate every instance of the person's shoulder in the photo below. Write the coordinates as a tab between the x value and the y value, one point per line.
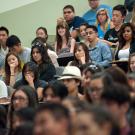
77	21
27	49
18	84
19	81
105	6
42	83
101	43
48	66
110	31
86	13
78	18
2	83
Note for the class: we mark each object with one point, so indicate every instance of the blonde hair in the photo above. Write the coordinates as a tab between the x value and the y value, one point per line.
60	20
107	18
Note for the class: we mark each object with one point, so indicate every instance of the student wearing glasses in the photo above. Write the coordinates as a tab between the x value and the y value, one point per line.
23	96
90	15
103	22
99	51
30	77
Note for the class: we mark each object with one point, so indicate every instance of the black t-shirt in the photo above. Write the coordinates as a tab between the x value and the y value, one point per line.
76	22
132	47
111	35
37	84
46	72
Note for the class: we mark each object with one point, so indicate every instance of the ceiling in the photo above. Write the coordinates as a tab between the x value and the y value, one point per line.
6	5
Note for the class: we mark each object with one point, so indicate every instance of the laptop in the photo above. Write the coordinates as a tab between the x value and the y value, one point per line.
64	58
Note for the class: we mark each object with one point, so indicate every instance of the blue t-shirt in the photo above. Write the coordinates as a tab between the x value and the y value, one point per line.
101	33
90	15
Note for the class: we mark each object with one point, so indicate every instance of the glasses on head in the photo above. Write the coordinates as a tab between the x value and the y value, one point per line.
36	44
67	12
19	98
94	67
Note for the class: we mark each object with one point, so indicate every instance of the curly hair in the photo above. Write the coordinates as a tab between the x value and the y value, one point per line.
122	41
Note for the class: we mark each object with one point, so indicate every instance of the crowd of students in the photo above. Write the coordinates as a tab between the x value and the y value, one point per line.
94	94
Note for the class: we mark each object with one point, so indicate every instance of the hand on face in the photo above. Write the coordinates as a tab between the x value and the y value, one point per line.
12	67
81	57
29	78
12	62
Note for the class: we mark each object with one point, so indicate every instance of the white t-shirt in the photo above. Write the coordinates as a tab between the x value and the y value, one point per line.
123	54
25	55
3	89
53	57
4	52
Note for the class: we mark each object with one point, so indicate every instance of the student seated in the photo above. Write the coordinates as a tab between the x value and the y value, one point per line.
99	52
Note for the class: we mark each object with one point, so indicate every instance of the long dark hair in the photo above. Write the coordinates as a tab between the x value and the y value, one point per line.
58	37
7	67
32	98
122	41
31	94
85	48
42	50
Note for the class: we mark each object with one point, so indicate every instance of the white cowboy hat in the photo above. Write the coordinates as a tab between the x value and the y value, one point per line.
71	72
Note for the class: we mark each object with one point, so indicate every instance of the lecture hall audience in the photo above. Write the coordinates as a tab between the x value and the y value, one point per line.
89	96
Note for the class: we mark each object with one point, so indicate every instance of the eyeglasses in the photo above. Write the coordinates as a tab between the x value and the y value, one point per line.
19	98
101	14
